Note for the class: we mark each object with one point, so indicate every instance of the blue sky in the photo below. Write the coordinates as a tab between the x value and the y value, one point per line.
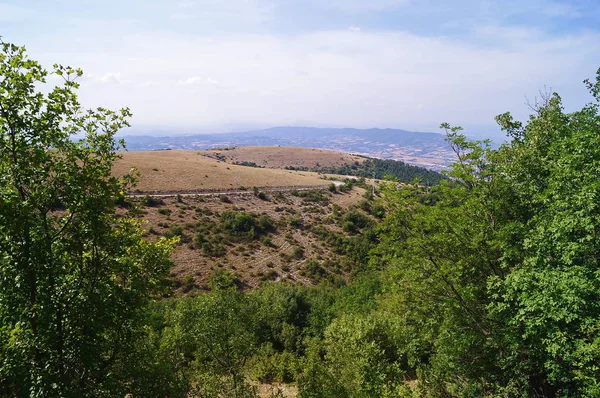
219	65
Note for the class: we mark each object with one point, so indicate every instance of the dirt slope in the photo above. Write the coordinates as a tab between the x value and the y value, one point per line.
193	170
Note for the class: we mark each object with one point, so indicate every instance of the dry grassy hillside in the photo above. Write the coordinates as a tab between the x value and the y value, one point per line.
295	245
292	235
192	170
279	157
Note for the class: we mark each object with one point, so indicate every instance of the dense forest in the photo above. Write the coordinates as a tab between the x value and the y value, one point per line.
376	168
388	169
486	284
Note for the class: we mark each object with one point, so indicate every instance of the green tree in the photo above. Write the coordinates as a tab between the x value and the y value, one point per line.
549	302
73	275
494	273
218	333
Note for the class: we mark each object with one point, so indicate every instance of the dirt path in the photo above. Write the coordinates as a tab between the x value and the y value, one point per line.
212	192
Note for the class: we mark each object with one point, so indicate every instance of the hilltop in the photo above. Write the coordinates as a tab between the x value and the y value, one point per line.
279	157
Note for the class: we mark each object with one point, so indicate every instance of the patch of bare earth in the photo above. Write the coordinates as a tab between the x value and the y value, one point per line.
268	390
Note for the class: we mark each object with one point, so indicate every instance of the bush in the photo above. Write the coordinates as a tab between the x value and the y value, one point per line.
213	249
177	231
361	355
265	223
151	201
238	222
354	220
298	252
221	279
188	283
266	240
296	222
314	270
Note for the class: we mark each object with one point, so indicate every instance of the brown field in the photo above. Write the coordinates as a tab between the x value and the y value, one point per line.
276	157
193	170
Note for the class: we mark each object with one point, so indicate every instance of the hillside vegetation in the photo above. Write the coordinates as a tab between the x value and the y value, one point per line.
294	236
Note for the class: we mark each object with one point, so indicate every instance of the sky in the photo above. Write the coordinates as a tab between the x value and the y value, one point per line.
194	66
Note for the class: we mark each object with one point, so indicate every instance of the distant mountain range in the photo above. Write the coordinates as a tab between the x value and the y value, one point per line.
424	149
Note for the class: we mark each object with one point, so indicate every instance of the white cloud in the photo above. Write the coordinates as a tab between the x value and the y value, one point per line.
197	80
229	13
354	29
338	77
103	78
112	78
12	13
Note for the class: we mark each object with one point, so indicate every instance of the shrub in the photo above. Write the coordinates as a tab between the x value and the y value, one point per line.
238	222
354	220
314	270
151	201
297	252
266	240
221	279
176	230
188	283
265	223
296	222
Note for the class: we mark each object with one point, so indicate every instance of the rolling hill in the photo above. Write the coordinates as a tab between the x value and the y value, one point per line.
423	149
176	171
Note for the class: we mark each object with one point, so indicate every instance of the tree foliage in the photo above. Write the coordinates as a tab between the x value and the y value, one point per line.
496	278
73	275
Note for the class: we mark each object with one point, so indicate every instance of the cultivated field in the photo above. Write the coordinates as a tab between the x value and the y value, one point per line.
279	157
193	170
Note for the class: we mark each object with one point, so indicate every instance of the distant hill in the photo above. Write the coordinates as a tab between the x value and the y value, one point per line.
423	149
323	161
235	167
188	170
281	157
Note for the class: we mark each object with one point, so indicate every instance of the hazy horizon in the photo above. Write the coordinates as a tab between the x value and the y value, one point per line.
207	66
